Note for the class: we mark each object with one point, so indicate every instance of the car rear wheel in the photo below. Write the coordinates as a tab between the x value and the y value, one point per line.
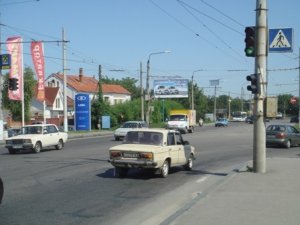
164	170
60	145
189	165
38	147
288	144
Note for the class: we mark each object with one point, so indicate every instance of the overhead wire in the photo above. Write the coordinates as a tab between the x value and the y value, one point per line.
185	6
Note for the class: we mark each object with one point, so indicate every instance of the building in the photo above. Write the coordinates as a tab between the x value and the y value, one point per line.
112	93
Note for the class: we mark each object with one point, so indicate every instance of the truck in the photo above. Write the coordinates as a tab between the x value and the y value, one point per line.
183	120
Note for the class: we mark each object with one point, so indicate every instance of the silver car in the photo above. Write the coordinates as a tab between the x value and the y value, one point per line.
282	135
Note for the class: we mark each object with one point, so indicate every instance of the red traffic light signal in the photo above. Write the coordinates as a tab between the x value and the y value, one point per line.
254	86
250	41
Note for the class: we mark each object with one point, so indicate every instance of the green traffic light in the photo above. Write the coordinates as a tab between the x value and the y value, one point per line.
249	52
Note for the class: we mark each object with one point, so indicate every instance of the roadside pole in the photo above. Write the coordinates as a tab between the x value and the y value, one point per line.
259	134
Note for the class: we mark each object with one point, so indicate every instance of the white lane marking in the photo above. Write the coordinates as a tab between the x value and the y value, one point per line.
202	179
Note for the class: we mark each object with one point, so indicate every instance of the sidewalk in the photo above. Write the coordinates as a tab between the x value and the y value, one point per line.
248	198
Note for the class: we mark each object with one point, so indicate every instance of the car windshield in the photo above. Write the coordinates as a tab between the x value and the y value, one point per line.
130	125
143	137
177	117
32	130
276	128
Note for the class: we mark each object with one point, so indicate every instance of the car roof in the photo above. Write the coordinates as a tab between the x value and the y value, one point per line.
160	130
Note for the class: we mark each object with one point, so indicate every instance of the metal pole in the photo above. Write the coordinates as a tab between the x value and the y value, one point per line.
65	83
1	89
259	132
215	103
299	93
193	91
147	97
142	92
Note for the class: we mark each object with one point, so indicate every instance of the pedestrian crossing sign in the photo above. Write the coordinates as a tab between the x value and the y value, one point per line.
281	40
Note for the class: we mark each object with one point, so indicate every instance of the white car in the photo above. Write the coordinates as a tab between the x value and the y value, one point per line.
121	132
154	149
36	137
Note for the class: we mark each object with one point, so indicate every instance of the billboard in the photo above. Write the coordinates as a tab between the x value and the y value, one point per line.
82	112
174	88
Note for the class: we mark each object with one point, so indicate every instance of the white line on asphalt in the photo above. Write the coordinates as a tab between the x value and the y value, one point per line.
201	179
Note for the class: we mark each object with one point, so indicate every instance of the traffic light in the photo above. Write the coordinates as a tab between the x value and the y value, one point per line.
254	86
13	84
250	41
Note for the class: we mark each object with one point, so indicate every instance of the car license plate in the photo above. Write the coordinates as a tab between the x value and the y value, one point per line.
17	146
130	155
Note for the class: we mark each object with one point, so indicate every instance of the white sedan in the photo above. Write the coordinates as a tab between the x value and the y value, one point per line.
156	149
36	137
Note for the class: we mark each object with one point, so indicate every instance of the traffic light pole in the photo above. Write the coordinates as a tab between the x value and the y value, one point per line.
259	132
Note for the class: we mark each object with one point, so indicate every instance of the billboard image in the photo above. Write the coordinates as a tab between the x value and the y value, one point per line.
172	88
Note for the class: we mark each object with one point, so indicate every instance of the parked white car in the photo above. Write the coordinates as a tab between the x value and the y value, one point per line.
36	137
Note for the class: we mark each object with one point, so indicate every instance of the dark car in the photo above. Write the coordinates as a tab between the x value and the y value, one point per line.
294	119
1	190
249	119
282	135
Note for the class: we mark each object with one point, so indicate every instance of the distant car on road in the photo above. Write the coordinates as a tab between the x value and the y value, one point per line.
36	137
221	122
153	149
249	119
294	119
121	132
282	135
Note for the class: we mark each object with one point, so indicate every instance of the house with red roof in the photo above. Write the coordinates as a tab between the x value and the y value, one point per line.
112	93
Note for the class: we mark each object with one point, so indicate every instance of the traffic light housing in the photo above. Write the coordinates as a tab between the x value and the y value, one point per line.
13	84
254	84
250	41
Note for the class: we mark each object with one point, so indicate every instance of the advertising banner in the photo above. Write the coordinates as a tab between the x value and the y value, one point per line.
175	88
37	54
14	48
82	112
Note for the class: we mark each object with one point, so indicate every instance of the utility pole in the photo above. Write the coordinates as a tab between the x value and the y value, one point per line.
142	92
299	92
1	88
65	82
193	92
259	132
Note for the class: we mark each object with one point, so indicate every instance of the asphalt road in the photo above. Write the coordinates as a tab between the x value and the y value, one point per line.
76	185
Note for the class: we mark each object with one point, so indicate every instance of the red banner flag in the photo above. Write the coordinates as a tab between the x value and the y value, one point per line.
15	49
37	54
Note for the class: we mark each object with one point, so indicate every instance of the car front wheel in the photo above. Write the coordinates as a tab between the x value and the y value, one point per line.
60	145
38	147
164	170
288	144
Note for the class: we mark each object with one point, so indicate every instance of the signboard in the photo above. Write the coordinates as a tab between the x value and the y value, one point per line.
106	122
175	88
82	112
281	40
214	82
5	61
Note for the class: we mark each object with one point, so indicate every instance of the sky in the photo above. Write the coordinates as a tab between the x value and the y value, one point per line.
205	39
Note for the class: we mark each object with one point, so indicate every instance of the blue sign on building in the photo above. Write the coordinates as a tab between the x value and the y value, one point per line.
281	40
82	112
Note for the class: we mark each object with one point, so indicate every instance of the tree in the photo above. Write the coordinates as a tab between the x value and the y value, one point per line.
15	107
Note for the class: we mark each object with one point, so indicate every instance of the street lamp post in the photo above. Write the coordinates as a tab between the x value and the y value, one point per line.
193	88
147	97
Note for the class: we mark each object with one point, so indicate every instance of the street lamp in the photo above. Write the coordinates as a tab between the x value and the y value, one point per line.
147	97
193	87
